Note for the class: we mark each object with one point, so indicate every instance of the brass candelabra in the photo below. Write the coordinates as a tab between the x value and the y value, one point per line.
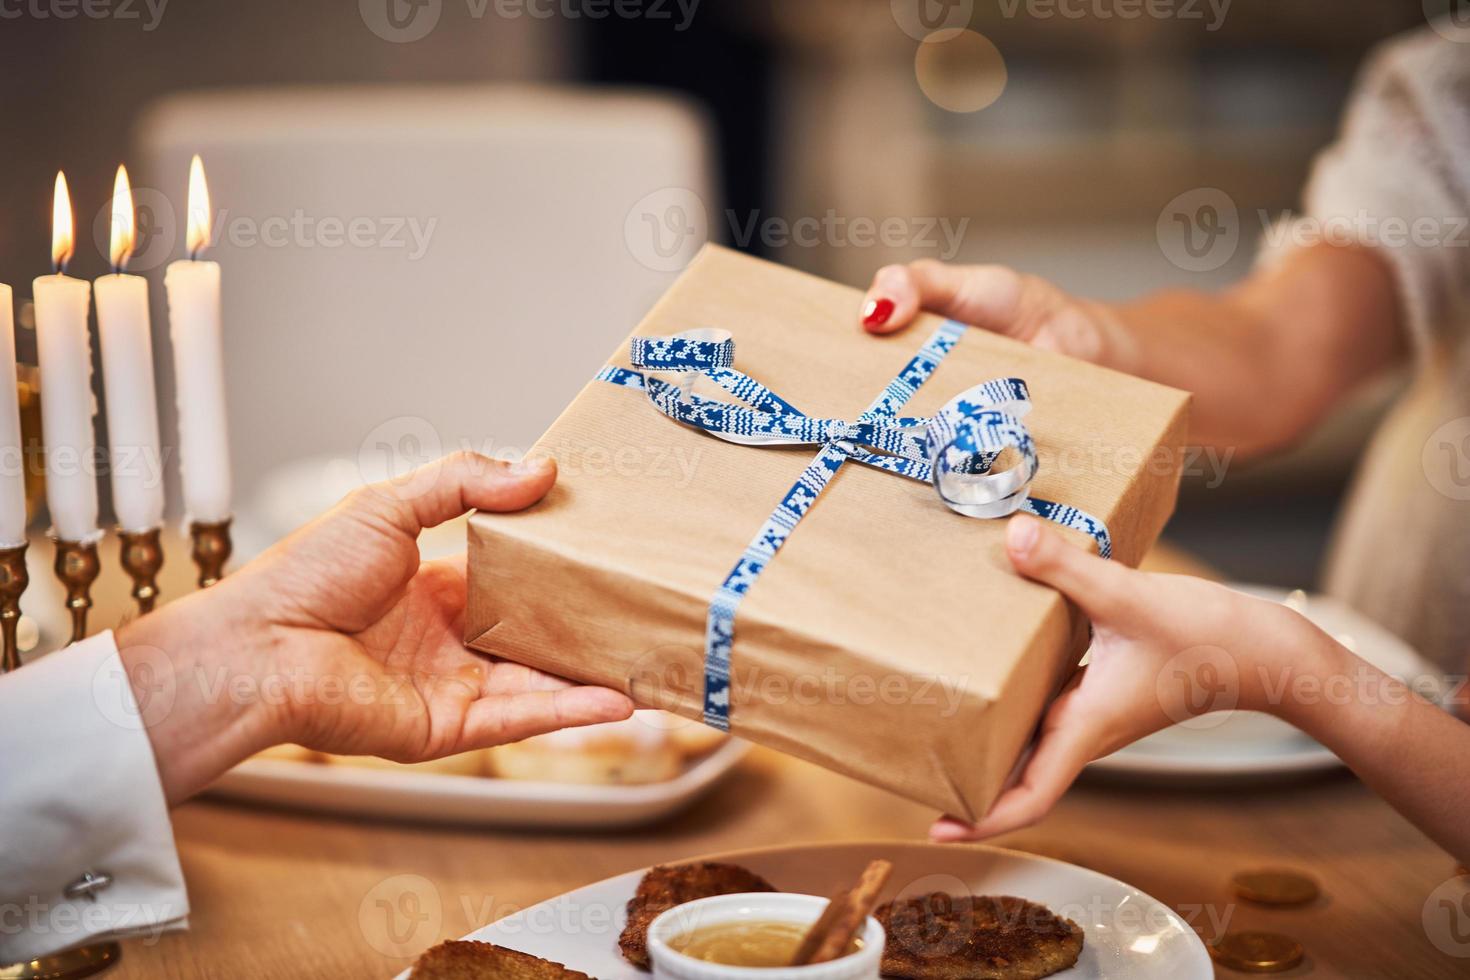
142	557
77	567
13	581
211	550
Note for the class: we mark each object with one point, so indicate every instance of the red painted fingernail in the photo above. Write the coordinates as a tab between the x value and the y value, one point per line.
877	312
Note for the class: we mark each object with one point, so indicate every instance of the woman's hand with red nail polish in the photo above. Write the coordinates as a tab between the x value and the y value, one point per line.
993	298
876	313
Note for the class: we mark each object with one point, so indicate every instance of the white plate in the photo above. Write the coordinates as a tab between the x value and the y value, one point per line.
442	798
1127	933
1245	745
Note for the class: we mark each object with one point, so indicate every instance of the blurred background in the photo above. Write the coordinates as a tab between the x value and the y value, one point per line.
435	218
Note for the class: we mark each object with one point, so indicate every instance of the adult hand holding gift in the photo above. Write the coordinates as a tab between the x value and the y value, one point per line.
1404	747
1160	639
339	638
357	645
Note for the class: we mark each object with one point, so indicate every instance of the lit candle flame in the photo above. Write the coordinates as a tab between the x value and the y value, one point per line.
199	220
124	231
63	236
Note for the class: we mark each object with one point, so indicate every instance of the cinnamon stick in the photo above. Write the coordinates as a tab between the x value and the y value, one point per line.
832	935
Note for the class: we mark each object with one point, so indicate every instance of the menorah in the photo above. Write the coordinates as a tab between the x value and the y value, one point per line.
78	565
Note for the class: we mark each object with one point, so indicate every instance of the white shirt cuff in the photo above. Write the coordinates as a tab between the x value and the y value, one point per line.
86	846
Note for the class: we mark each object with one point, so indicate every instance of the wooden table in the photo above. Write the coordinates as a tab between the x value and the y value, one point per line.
277	894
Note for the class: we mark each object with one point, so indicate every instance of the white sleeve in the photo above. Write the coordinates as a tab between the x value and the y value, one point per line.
86	847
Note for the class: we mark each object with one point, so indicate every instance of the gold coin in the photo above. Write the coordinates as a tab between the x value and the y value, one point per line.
1256	952
1275	887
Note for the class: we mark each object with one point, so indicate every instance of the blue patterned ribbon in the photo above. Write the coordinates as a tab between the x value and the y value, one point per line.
955	451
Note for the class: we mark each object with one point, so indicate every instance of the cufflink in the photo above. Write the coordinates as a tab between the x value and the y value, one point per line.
88	885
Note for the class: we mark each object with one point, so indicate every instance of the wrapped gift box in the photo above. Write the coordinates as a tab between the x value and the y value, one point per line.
889	638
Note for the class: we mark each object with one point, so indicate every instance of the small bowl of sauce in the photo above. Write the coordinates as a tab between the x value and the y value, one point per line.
742	937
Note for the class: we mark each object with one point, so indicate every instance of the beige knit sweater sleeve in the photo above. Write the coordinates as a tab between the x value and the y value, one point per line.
1398	178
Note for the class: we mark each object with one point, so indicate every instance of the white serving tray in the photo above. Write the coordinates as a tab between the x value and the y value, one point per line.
443	798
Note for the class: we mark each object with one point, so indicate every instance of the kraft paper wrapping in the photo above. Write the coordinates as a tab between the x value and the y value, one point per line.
890	638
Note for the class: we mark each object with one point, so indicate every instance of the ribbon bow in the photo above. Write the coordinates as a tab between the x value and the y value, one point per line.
955	450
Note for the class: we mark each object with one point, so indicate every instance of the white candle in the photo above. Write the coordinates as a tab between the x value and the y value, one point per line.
199	373
12	449
127	373
67	406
